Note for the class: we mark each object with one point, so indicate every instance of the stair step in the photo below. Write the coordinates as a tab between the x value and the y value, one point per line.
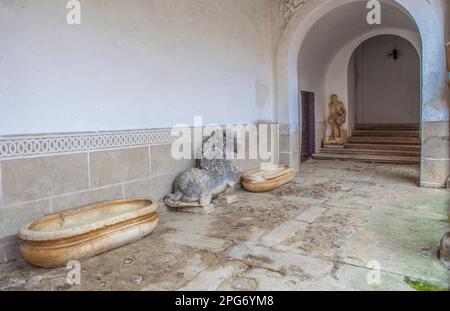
405	127
372	152
386	133
385	140
368	158
378	143
382	147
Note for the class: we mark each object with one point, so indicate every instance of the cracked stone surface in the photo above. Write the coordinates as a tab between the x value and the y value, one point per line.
324	231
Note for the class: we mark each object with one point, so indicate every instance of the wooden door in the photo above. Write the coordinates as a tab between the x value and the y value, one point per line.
308	117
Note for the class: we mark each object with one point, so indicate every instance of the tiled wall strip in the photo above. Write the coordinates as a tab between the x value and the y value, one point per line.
23	146
12	147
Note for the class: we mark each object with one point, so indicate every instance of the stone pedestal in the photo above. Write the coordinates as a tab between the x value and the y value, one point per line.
337	141
197	210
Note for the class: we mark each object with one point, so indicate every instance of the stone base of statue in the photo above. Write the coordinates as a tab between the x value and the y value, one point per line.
340	141
333	146
204	210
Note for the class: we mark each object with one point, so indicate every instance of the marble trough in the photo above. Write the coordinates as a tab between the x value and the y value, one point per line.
268	178
79	234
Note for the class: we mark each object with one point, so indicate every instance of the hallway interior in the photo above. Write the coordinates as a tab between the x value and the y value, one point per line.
126	101
333	228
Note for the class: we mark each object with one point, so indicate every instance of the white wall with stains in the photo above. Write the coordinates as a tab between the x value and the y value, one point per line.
133	64
152	63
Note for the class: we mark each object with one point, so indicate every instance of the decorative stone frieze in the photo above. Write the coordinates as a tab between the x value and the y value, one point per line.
289	7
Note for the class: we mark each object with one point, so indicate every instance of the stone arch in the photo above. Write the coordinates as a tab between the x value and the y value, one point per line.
337	71
430	32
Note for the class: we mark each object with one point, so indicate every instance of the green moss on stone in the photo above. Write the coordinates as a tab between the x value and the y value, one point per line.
424	286
437	202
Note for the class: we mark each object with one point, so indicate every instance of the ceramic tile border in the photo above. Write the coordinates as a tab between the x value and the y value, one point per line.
286	129
437	128
12	147
25	146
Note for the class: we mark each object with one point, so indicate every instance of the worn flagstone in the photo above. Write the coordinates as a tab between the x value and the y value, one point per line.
338	226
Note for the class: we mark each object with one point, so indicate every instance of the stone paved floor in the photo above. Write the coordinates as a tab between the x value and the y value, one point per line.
319	233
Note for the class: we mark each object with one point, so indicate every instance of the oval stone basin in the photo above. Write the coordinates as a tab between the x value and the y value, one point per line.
268	178
79	234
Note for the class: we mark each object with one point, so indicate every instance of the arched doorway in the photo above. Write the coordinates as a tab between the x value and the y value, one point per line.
337	28
322	68
383	104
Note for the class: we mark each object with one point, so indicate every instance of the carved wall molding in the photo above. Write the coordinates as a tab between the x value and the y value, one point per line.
289	7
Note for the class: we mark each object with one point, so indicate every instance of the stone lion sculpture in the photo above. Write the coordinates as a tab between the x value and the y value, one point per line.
214	176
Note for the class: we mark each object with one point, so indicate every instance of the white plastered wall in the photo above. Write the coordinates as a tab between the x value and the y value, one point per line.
133	64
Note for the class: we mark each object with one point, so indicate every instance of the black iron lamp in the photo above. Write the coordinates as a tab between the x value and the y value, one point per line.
395	54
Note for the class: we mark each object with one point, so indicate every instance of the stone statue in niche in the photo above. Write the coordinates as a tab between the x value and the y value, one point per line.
195	188
336	120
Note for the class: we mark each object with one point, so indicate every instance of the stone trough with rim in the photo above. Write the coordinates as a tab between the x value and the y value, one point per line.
79	234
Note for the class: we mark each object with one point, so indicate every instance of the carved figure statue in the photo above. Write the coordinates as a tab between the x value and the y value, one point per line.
195	188
336	119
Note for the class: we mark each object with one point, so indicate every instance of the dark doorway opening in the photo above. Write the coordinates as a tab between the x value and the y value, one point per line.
308	118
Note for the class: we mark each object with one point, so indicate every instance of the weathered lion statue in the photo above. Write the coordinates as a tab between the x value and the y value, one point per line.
214	176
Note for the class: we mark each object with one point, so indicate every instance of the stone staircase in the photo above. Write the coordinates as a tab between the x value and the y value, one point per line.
378	143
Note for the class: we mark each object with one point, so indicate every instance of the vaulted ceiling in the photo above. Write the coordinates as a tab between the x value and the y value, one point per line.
340	26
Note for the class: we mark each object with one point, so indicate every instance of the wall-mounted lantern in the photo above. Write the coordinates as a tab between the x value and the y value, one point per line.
395	54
